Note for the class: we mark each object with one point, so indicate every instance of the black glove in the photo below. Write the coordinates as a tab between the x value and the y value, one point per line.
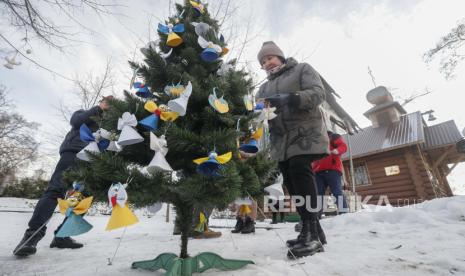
278	100
294	100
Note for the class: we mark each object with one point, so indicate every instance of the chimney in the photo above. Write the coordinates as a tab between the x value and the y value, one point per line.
385	111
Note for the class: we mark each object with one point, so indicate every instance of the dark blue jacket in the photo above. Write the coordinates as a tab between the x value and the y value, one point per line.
72	142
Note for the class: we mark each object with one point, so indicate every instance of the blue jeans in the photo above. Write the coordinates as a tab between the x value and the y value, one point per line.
332	179
56	189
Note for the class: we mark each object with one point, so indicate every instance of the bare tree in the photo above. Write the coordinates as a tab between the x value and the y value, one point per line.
18	146
450	50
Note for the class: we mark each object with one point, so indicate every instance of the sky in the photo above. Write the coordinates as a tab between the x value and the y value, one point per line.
340	39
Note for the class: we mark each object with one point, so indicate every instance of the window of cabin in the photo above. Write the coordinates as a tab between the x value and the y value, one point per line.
361	174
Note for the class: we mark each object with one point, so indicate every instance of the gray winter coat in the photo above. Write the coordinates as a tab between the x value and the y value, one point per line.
73	142
296	131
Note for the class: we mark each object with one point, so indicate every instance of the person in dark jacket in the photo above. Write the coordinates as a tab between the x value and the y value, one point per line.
328	171
297	135
46	205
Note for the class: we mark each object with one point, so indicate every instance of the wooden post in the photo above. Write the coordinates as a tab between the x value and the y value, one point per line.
414	174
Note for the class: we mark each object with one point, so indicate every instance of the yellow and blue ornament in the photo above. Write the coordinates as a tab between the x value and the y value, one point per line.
212	164
159	112
220	105
199	8
121	215
74	206
173	39
251	146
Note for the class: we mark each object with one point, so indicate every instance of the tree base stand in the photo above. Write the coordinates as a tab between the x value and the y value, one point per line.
175	266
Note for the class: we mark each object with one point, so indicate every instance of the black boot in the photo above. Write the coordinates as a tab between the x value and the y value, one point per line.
65	243
321	234
239	225
249	226
274	220
293	242
309	244
27	246
298	227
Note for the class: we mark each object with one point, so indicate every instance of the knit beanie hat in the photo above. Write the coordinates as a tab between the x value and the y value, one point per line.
269	48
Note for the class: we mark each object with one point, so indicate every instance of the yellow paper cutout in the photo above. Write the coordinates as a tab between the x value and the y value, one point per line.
224	158
244	210
257	135
221	107
199	161
63	205
121	217
83	206
151	106
173	40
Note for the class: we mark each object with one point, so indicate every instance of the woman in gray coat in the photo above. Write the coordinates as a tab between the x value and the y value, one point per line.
297	135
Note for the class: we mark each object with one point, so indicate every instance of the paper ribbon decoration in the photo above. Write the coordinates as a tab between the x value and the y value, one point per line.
244	210
159	112
158	163
173	39
73	207
251	146
211	50
212	164
174	90
201	28
98	141
121	215
275	190
179	105
198	8
220	105
142	90
248	102
128	134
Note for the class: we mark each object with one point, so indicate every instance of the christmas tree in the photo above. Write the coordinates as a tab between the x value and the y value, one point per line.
218	117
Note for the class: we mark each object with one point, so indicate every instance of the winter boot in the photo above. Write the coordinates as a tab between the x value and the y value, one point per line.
274	220
239	225
309	243
321	234
27	246
249	226
65	243
298	227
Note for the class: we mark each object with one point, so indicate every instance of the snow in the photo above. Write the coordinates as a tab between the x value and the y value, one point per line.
423	239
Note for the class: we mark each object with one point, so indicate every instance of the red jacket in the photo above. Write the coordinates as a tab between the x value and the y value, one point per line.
332	161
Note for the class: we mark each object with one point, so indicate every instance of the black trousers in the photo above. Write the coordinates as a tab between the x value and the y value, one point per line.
56	189
299	180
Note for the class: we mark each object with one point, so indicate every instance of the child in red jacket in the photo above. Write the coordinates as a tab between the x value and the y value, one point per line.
328	171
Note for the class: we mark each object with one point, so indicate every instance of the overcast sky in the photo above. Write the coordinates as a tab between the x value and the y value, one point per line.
339	38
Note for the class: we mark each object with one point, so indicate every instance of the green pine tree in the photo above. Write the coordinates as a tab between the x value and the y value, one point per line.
192	136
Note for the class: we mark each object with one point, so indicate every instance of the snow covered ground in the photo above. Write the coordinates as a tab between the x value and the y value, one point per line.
427	239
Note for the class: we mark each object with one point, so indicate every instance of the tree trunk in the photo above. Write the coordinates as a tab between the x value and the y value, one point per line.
184	215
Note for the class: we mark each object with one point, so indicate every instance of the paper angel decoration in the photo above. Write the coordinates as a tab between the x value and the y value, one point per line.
198	8
220	105
173	39
174	90
158	112
212	164
179	105
251	146
98	141
129	134
158	163
11	62
211	50
275	190
248	102
201	28
265	114
142	90
73	207
121	215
